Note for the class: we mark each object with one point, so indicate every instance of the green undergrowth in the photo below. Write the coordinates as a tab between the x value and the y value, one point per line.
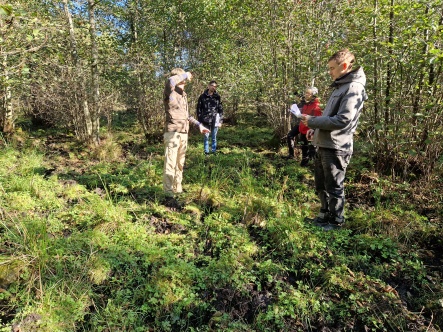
87	245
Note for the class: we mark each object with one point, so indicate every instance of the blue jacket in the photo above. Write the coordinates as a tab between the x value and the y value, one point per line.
335	128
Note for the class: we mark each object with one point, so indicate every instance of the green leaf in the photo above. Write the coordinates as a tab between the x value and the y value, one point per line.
5	10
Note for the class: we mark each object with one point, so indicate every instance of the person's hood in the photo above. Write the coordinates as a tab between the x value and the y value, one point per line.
314	101
207	93
356	75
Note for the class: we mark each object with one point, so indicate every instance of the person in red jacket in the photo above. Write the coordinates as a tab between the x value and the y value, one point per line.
312	108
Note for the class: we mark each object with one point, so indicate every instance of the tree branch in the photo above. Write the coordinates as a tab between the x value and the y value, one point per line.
29	50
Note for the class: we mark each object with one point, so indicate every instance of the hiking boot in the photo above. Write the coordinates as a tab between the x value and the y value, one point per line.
337	221
322	218
173	203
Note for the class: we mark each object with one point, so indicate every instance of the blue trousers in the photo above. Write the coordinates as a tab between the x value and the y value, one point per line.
213	135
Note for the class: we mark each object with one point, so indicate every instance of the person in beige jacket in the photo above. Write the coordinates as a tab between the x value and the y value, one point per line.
176	130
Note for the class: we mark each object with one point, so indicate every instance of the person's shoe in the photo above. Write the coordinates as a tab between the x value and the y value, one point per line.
329	227
323	218
304	162
207	154
172	202
334	223
337	221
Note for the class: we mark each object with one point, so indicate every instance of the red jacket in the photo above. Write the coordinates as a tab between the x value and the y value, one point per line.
311	108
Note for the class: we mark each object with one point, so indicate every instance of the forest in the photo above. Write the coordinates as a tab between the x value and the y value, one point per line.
85	241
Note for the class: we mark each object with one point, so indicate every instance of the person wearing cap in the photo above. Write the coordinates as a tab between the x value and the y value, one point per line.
332	134
210	113
176	130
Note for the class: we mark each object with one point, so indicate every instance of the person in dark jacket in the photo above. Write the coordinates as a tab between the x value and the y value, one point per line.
292	135
210	114
333	134
311	107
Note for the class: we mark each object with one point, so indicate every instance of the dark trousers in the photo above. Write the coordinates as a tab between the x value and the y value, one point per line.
307	150
329	174
292	138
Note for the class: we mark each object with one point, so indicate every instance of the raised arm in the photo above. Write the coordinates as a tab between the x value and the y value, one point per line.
172	81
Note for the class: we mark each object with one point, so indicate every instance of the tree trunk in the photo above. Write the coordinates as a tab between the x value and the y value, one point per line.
94	109
389	66
376	71
139	98
7	111
86	131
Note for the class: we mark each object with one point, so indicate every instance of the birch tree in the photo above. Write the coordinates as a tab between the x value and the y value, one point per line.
86	118
19	37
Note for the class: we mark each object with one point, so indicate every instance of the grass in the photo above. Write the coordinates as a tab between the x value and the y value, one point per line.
88	246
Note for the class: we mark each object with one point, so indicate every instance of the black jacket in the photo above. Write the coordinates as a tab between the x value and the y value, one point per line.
208	107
